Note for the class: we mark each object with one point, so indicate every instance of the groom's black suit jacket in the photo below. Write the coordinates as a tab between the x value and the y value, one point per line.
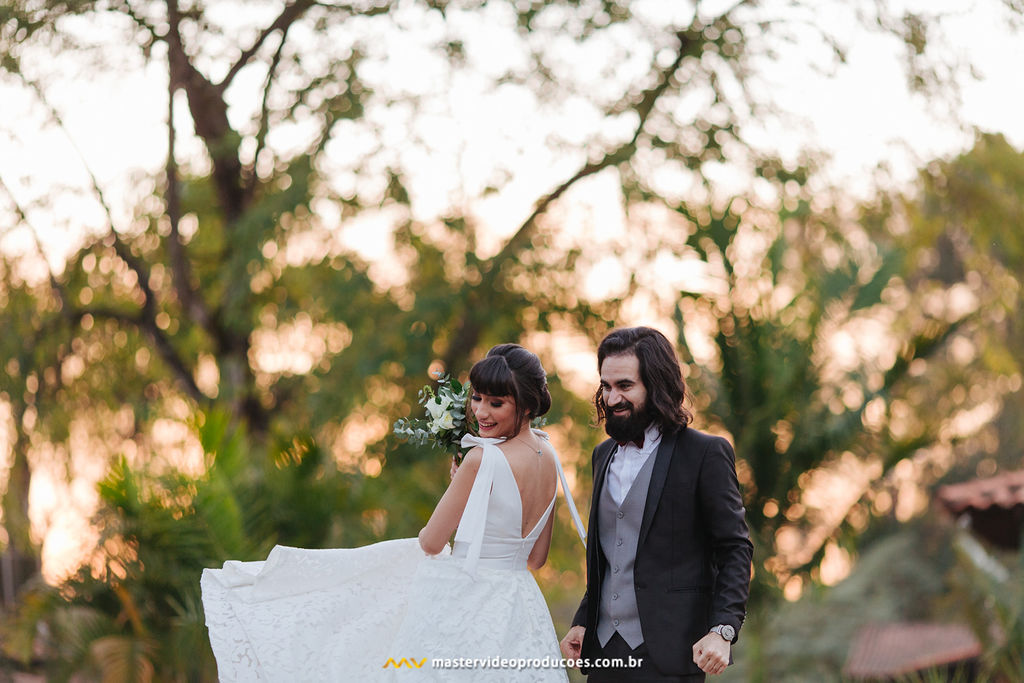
692	568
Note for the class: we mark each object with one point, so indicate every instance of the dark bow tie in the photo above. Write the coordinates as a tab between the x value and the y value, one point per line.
639	443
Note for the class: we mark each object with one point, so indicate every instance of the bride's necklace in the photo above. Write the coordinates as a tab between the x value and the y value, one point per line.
532	447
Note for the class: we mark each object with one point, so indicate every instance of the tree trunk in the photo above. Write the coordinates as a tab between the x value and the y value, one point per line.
19	562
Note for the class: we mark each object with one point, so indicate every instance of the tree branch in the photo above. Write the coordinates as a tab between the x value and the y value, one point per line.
23	219
139	21
191	301
467	336
160	340
57	119
122	250
468	333
288	16
210	118
643	108
144	320
261	134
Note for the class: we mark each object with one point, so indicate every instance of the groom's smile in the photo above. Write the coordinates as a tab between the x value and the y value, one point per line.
621	410
624	396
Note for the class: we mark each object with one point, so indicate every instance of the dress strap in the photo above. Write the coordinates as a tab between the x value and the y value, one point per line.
474	516
576	521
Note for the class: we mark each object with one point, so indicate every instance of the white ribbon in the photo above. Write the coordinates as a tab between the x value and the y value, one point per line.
576	521
474	516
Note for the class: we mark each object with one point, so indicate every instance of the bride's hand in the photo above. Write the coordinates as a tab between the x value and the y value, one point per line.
455	467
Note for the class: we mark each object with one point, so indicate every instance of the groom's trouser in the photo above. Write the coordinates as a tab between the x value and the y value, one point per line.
617	648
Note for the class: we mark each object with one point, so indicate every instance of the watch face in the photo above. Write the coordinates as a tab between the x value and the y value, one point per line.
728	632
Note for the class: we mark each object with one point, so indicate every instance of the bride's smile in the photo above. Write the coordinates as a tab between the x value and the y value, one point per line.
495	415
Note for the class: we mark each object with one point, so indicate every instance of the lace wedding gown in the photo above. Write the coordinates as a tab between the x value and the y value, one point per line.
356	614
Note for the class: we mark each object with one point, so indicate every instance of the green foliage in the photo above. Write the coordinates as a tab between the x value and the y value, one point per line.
977	196
135	612
900	575
445	421
953	674
773	383
910	573
992	598
964	233
175	312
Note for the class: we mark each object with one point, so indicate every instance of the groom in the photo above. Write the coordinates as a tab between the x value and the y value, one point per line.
668	552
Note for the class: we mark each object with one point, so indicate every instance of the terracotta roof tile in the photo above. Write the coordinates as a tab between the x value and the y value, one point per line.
885	650
1005	490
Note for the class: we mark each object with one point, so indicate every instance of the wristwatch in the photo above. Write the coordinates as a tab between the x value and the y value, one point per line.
724	630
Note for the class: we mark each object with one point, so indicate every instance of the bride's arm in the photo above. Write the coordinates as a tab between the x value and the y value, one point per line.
446	516
539	554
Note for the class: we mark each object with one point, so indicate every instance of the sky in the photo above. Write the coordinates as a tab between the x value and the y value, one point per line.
861	116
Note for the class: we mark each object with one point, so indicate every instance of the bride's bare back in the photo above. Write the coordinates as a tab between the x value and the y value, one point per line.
531	460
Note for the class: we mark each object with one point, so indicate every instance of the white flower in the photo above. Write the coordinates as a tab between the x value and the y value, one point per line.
438	407
445	421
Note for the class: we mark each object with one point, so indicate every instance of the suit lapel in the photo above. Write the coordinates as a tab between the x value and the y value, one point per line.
601	461
604	452
658	476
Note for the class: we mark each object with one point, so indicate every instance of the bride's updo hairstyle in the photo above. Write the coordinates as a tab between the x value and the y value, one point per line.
510	370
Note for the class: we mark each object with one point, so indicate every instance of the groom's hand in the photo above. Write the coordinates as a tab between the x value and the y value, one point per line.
711	653
572	644
455	467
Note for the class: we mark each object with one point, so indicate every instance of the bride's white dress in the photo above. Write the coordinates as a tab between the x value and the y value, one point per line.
390	612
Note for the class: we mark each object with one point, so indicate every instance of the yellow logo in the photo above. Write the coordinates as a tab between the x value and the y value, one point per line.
411	663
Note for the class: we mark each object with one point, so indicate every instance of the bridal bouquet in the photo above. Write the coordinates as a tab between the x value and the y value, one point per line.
445	421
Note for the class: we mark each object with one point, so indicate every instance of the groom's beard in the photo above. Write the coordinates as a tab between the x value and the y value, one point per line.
628	427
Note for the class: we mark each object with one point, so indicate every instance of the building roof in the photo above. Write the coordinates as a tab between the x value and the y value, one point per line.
896	649
995	506
1003	490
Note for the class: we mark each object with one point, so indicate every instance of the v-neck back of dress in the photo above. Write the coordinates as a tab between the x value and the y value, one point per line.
518	497
495	496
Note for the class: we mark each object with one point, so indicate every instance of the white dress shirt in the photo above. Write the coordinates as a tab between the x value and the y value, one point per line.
627	461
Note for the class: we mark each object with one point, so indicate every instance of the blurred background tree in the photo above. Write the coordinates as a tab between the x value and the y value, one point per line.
230	284
941	412
962	240
809	352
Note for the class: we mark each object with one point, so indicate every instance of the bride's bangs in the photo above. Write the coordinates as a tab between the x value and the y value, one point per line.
493	377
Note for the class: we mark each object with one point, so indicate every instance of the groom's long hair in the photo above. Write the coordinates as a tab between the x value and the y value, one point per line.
659	371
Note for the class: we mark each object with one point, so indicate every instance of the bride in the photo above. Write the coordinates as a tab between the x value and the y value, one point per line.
408	608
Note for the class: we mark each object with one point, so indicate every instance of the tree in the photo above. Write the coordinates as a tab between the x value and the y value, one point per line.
900	576
782	308
923	290
960	232
133	612
179	307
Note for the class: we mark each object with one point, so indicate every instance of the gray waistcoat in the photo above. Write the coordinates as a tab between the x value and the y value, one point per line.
619	528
